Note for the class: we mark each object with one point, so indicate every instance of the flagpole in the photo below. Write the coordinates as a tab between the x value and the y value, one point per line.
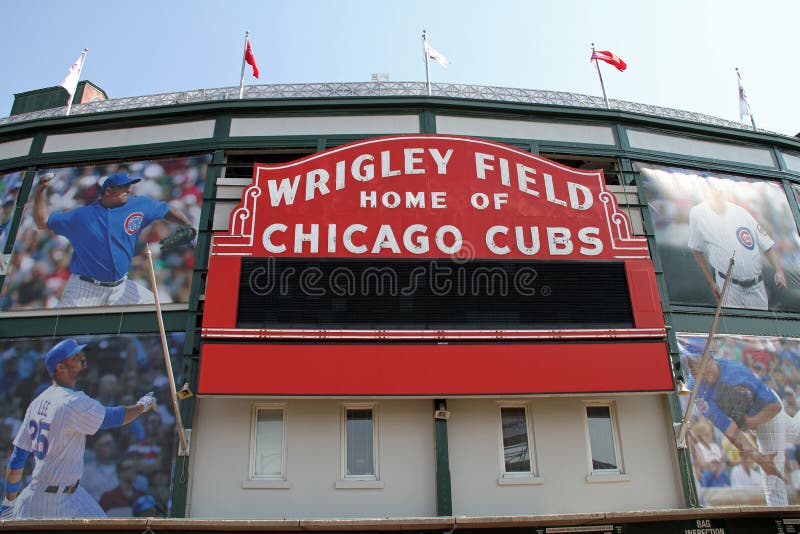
427	63
741	96
183	450
80	70
705	359
602	85
244	54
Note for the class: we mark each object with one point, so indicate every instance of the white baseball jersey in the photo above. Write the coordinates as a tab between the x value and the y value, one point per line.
54	430
719	236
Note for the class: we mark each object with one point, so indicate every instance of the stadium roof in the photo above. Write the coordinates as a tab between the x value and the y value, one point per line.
377	89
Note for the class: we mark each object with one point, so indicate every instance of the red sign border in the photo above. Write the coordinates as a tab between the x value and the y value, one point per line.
433	369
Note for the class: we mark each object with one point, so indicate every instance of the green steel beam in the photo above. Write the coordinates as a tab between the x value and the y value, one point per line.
444	498
191	349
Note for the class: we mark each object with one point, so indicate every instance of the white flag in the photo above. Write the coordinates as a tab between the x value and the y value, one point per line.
70	83
434	54
744	105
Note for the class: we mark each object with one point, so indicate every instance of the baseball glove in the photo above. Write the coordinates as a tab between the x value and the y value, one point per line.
735	401
184	235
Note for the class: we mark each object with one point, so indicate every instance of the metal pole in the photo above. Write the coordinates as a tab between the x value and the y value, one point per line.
244	53
705	359
427	65
602	85
184	444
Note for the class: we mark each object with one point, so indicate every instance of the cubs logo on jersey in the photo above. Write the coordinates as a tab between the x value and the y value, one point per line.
745	237
702	404
133	222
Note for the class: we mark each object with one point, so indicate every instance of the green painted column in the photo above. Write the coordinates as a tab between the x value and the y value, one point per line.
444	499
191	349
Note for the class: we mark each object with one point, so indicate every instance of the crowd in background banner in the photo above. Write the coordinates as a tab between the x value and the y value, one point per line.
723	474
9	188
39	264
128	470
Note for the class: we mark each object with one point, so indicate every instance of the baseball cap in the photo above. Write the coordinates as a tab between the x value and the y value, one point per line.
60	352
118	180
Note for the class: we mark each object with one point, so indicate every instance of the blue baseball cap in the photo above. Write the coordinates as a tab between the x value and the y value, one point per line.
60	352
118	180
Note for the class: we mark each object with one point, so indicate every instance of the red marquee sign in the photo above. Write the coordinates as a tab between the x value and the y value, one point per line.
441	200
427	196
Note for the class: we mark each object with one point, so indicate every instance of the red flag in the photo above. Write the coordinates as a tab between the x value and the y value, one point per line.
610	58
250	58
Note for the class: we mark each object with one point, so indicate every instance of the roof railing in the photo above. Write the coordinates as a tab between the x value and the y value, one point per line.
374	89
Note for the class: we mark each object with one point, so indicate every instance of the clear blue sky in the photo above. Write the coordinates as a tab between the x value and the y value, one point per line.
680	53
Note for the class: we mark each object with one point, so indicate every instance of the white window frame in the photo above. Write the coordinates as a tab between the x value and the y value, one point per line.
266	481
508	478
605	475
359	481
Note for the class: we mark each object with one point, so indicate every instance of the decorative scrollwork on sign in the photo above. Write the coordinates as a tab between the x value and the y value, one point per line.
619	226
242	220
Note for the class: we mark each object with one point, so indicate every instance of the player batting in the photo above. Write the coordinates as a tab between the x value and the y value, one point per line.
103	237
54	431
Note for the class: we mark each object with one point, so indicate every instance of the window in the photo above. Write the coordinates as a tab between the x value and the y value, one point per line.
359	442
516	441
603	439
268	439
240	165
610	166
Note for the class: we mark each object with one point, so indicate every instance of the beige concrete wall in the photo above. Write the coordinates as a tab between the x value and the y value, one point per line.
561	449
678	144
220	444
220	456
144	135
338	125
518	129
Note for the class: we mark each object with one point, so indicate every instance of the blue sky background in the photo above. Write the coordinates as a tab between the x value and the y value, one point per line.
680	54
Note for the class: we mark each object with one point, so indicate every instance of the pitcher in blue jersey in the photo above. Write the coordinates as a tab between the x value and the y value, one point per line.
759	414
103	238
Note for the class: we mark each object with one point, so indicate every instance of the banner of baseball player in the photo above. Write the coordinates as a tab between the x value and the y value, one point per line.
744	430
9	187
83	232
120	471
701	219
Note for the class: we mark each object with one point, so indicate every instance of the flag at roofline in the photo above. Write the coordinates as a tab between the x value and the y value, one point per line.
70	83
437	56
744	103
248	58
429	53
610	58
